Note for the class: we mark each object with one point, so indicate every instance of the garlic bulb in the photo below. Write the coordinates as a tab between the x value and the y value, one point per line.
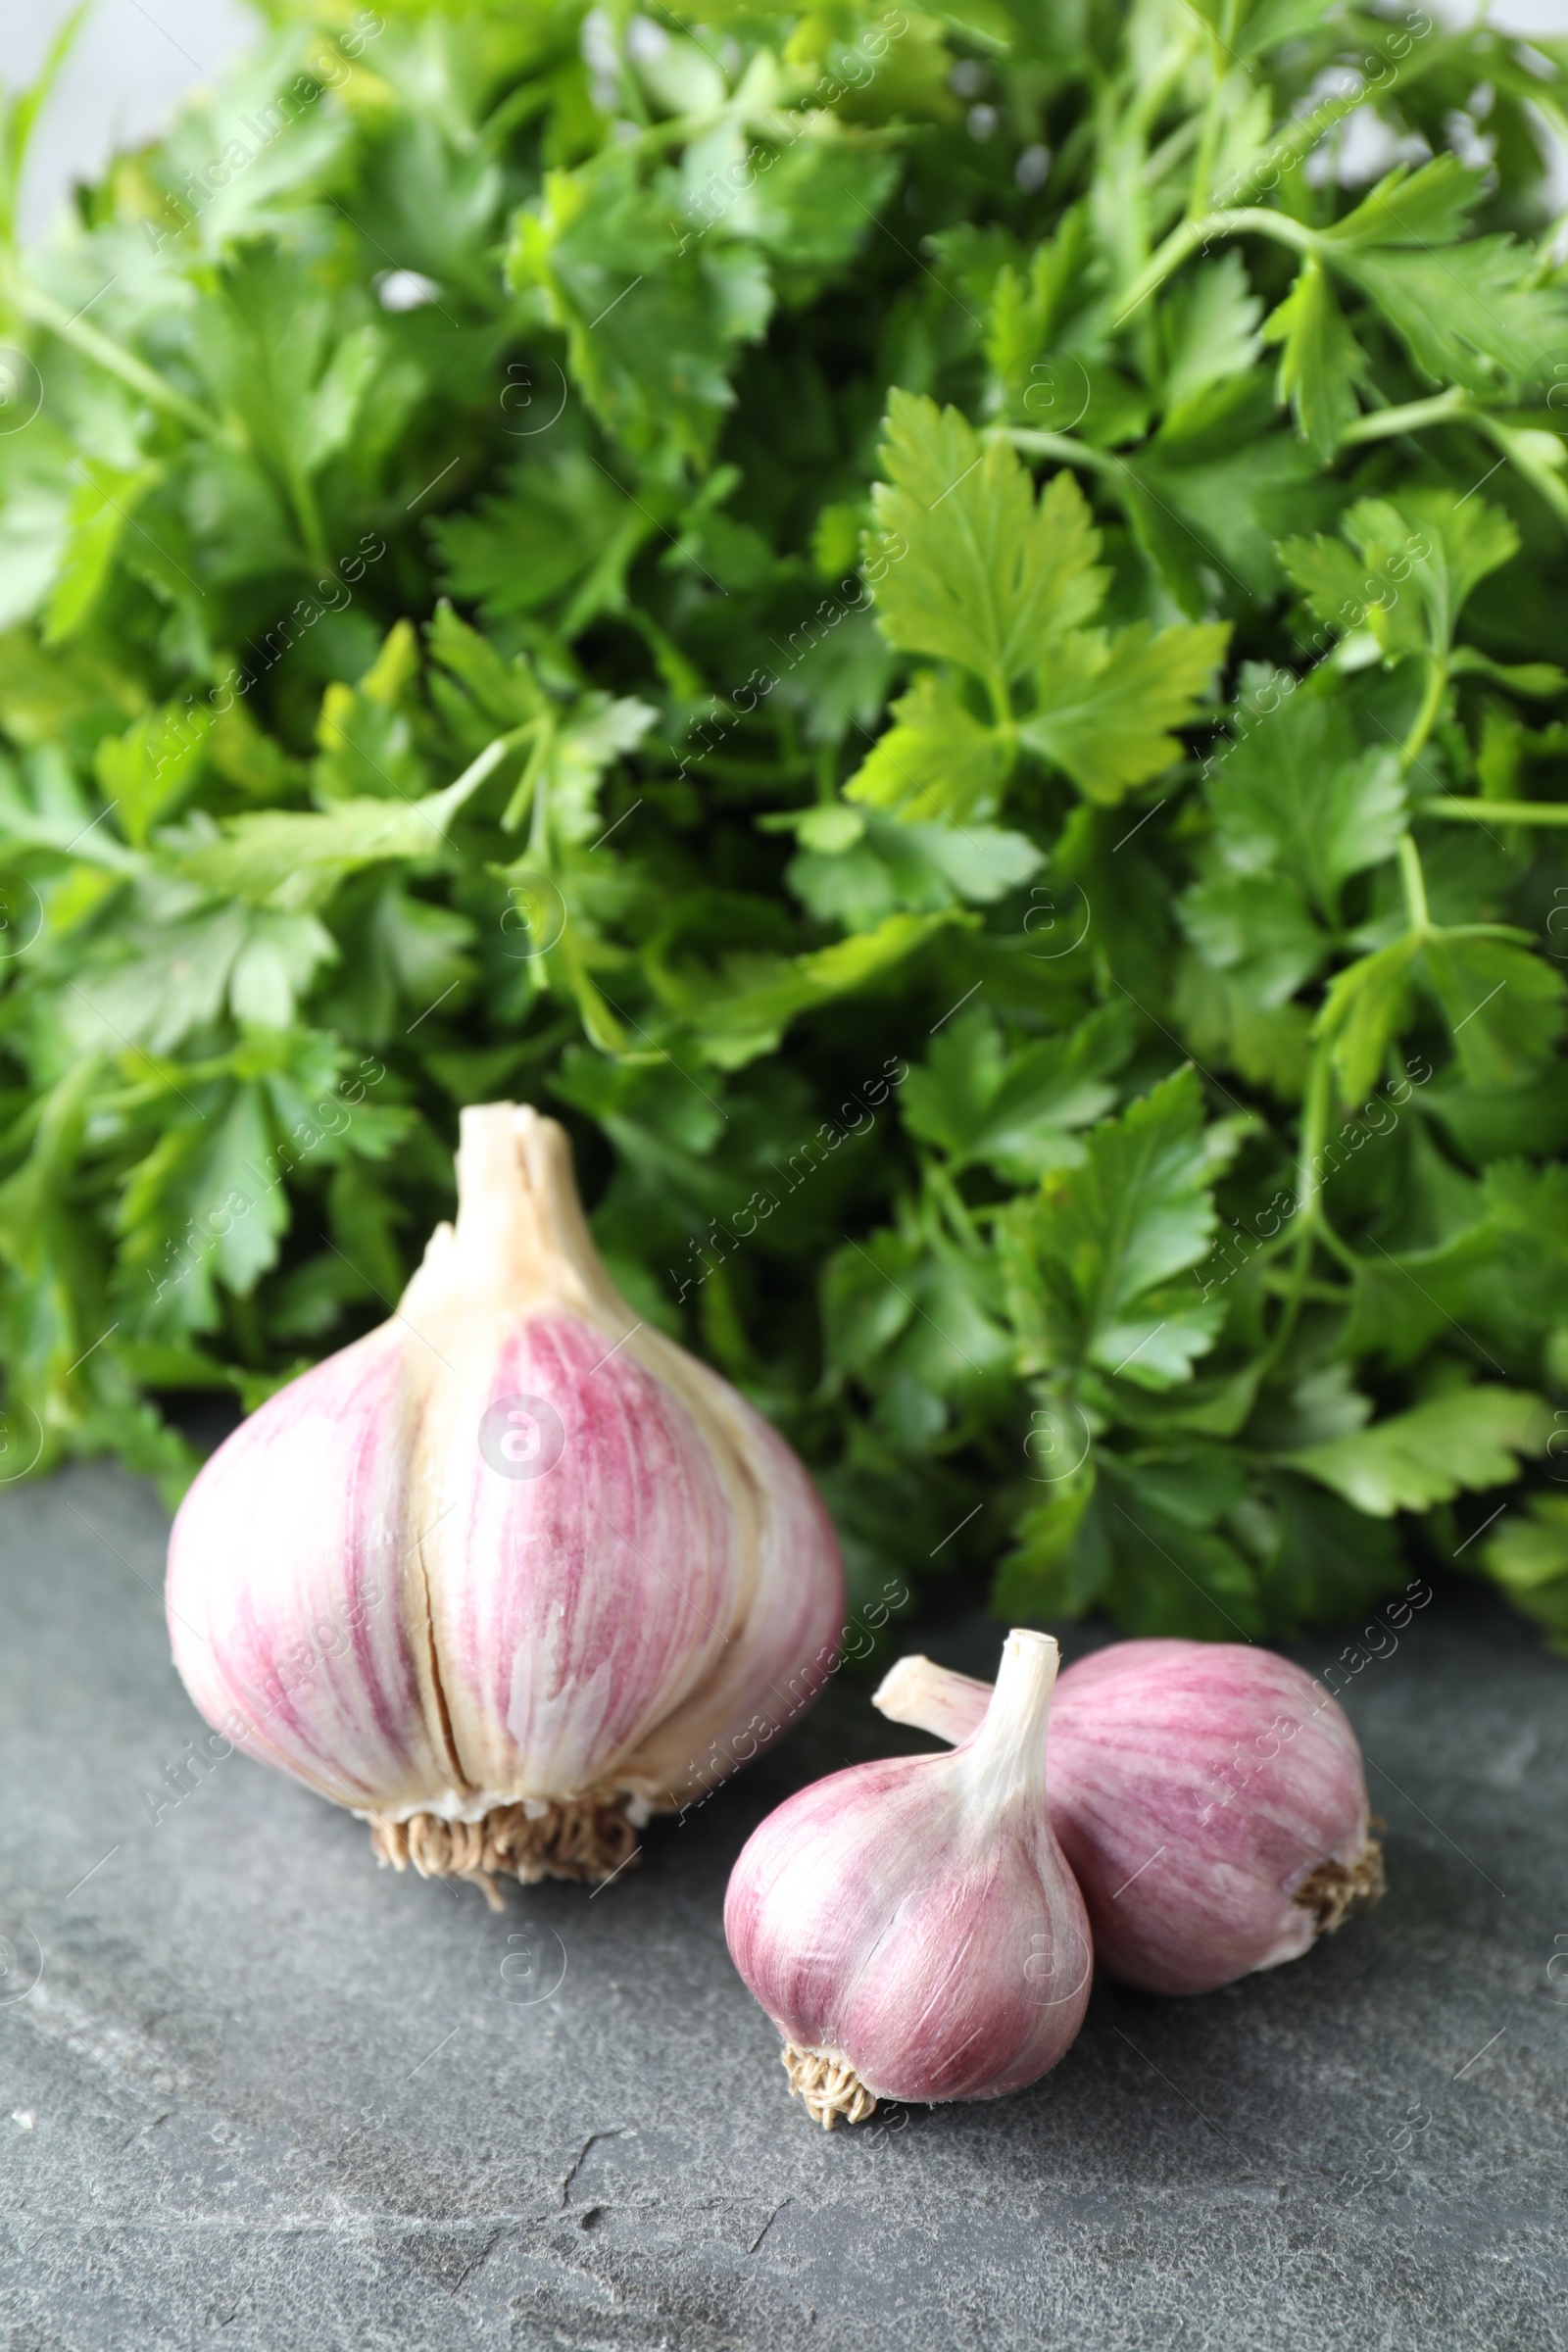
513	1570
911	1926
1210	1798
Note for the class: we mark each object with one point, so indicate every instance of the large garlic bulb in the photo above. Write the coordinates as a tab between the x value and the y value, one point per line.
513	1570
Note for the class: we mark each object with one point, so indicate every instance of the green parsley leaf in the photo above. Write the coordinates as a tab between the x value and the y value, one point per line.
299	861
1107	703
1469	1439
977	572
1529	1558
640	573
1296	798
1364	1010
1321	362
1017	1113
650	332
1102	1243
936	760
1470	314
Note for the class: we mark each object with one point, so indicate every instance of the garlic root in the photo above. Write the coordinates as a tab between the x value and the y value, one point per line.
1336	1890
828	2087
588	1839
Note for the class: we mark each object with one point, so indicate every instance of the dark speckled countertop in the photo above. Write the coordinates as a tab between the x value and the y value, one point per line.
257	2095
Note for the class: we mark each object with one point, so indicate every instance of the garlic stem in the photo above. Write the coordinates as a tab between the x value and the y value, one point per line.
1006	1756
520	1237
931	1699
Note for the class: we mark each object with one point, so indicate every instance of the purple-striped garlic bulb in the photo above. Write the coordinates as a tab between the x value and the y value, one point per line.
911	1926
512	1571
1208	1797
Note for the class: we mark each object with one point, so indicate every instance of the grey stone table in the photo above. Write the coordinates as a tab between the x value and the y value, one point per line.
256	2094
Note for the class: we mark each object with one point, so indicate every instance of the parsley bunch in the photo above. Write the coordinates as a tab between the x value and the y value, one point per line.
936	628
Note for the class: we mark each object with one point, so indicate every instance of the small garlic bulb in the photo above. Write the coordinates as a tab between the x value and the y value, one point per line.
911	1926
513	1570
1210	1798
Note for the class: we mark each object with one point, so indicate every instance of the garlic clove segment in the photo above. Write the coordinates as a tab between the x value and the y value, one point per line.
911	1926
513	1570
1209	1797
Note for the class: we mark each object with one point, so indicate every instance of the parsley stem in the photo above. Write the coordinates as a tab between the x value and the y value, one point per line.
539	823
1308	1196
1163	159
951	1201
1426	718
482	767
1246	219
1336	1249
1219	41
45	312
785	124
1518	445
1457	407
1415	887
307	513
1314	1122
543	734
1037	444
1323	1294
1380	424
1498	813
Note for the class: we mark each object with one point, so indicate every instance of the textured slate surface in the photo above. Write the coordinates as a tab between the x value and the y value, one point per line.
263	2095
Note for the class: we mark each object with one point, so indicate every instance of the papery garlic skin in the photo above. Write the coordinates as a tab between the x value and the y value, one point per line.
511	1570
911	1926
1208	1797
